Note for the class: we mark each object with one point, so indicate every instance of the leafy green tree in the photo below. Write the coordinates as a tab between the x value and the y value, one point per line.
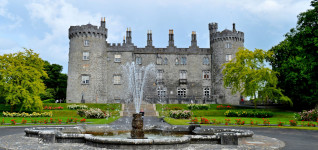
20	79
55	83
247	74
296	60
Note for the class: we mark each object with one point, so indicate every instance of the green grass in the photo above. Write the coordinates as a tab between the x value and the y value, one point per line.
65	113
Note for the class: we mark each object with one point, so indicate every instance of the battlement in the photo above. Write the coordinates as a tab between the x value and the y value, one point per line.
87	31
226	34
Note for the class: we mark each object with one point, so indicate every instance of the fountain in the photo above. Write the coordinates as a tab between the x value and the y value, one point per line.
169	136
137	77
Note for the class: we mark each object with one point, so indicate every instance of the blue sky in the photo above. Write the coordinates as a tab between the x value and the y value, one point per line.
42	25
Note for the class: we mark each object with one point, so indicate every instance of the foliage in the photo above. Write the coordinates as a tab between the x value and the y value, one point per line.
74	107
280	123
195	121
2	122
204	121
20	79
198	106
83	120
248	75
266	122
56	82
258	114
296	60
239	122
173	108
49	101
311	115
180	114
23	114
293	122
92	113
13	122
23	121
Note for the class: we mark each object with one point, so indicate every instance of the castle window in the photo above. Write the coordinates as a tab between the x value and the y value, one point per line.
228	45
165	61
85	79
138	60
161	92
86	43
183	74
177	61
206	92
228	57
117	58
117	79
206	61
85	55
159	60
183	60
206	74
159	74
182	92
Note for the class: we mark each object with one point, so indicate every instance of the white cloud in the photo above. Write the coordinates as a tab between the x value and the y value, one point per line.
59	16
15	21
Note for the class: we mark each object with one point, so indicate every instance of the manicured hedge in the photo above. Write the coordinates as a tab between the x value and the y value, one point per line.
258	114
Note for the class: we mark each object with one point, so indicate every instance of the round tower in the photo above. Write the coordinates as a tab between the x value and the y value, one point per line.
224	45
86	60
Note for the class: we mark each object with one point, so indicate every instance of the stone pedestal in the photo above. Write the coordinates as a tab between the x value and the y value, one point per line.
137	131
229	138
47	136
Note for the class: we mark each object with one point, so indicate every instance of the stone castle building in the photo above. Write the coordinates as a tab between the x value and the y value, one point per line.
183	75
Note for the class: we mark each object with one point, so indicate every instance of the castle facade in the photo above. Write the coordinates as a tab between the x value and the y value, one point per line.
183	75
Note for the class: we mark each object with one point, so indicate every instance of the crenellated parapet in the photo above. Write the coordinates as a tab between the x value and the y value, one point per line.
87	31
225	35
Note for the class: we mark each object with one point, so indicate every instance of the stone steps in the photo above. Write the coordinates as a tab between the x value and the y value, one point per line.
149	109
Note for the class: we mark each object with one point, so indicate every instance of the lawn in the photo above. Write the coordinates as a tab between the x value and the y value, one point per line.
217	117
63	115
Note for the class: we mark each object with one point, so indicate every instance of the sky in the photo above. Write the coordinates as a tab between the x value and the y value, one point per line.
42	25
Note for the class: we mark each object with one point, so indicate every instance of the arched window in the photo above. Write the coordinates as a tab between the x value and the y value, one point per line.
177	61
165	61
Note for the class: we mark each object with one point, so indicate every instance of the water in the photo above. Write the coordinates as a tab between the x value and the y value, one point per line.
137	77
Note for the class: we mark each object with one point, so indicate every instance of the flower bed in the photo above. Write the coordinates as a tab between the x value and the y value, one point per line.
224	107
180	114
52	108
23	114
75	107
311	115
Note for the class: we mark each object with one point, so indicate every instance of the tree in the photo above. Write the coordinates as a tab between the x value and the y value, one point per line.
296	60
20	79
56	82
247	74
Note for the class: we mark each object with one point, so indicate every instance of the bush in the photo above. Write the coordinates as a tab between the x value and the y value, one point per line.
258	114
92	113
311	115
49	101
179	114
173	108
198	106
293	123
75	107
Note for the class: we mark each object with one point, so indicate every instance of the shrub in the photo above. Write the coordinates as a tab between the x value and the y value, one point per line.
13	122
266	122
311	115
75	107
253	123
2	122
49	101
195	120
239	122
227	121
92	113
173	108
204	121
293	123
258	114
280	123
23	121
179	114
83	120
198	106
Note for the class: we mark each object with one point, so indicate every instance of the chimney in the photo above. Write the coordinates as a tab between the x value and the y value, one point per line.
149	38
128	36
103	22
234	30
171	41
193	39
